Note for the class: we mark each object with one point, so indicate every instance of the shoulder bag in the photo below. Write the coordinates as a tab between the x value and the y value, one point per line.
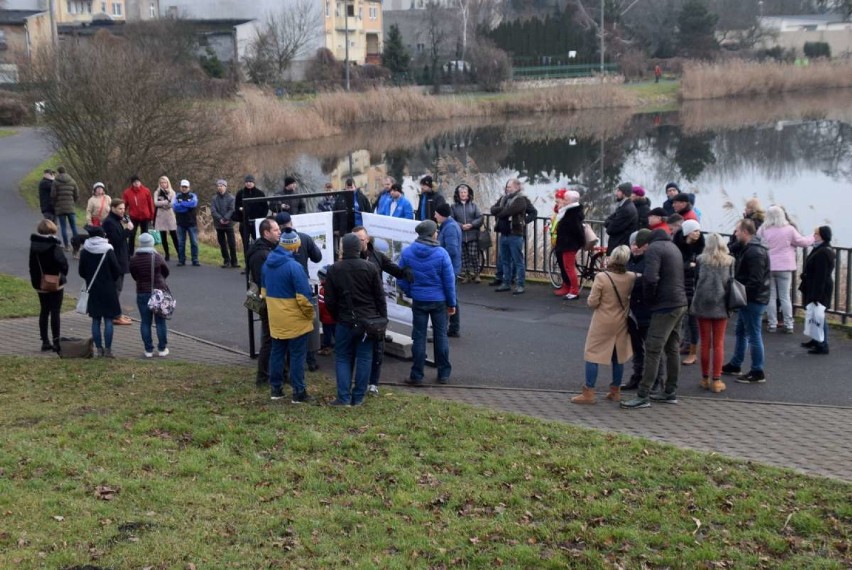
592	238
254	301
484	237
632	321
370	327
49	283
161	302
83	299
735	293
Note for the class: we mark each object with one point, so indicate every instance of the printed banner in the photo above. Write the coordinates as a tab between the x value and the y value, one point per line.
391	236
320	226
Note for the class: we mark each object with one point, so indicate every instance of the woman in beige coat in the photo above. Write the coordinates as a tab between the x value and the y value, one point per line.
608	341
98	206
165	221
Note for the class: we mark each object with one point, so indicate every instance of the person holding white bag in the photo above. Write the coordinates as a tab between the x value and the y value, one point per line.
817	285
100	269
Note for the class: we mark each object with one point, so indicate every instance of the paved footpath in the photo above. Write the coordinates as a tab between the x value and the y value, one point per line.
808	438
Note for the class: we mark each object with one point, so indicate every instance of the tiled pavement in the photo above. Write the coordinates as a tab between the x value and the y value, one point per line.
811	439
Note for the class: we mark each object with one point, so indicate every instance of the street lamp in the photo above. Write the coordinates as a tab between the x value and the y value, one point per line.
346	36
602	41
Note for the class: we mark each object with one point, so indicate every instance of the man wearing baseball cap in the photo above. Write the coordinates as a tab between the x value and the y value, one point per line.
185	207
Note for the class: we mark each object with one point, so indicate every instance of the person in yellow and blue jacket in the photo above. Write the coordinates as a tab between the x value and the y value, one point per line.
288	296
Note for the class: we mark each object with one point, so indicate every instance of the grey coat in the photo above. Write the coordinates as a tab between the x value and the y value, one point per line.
222	207
662	282
468	213
708	301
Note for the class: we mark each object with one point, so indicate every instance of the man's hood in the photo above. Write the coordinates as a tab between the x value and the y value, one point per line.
41	243
278	257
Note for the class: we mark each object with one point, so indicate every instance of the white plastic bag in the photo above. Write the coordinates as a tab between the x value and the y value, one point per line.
814	321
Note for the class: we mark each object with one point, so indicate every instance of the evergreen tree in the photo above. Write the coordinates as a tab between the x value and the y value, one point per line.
696	25
394	56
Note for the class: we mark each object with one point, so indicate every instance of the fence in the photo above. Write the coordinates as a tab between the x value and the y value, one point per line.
561	71
537	249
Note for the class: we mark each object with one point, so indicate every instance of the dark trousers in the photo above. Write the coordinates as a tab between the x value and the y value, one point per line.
663	335
227	245
247	234
378	357
164	237
51	306
638	334
131	240
455	322
265	349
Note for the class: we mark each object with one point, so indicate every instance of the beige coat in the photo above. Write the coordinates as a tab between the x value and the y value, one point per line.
609	321
97	208
165	220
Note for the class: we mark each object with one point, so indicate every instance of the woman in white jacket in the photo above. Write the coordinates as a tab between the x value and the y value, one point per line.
165	222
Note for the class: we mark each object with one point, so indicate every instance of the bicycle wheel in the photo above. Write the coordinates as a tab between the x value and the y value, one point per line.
553	270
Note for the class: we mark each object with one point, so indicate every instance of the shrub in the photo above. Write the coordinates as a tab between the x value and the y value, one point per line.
817	49
12	111
635	65
491	65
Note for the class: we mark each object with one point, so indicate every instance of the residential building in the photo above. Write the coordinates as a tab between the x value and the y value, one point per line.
22	34
792	32
87	11
361	20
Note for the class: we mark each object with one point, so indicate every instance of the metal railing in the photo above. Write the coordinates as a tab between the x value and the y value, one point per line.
537	249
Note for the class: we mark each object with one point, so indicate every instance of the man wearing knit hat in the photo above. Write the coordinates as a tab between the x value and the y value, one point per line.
433	292
293	203
251	211
222	210
353	293
288	295
430	199
624	220
672	190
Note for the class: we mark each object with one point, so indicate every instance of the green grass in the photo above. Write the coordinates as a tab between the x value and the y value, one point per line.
17	298
206	472
208	254
7	133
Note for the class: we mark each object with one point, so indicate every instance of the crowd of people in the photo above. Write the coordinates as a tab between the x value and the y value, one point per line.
665	279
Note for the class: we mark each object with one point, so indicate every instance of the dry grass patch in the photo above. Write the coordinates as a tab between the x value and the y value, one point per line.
738	78
262	119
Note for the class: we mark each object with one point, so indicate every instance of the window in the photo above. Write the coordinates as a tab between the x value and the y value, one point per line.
72	7
327	8
421	48
153	11
103	7
360	14
374	13
350	10
116	8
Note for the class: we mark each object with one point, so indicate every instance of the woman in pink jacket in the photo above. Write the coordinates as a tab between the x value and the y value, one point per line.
782	239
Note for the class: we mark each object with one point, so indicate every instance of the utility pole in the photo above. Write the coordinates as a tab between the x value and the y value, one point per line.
54	40
602	41
346	35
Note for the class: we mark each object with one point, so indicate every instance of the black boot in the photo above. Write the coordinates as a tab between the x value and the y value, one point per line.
56	345
634	382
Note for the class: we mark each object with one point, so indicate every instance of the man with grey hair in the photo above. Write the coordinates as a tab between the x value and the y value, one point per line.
510	213
624	220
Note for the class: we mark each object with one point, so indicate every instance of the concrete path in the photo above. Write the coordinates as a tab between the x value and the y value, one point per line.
521	354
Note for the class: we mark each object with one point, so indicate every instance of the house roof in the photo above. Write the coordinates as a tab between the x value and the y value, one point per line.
16	17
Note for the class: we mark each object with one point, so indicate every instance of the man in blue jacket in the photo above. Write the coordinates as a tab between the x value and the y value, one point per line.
450	238
394	204
185	206
433	292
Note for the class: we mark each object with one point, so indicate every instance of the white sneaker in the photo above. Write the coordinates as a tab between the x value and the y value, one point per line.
373	390
149	355
570	296
164	352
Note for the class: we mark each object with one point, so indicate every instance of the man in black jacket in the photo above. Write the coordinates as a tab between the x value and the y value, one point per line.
753	272
256	257
343	222
384	265
117	228
353	291
294	204
624	220
45	202
251	211
665	296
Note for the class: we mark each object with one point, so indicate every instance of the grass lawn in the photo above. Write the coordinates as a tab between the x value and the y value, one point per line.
132	464
7	132
208	254
17	298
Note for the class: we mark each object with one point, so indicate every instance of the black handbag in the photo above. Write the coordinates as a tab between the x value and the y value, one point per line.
373	327
484	238
735	294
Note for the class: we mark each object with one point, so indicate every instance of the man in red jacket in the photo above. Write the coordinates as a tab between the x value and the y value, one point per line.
140	209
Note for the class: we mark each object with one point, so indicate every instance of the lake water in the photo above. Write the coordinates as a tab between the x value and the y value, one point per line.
796	152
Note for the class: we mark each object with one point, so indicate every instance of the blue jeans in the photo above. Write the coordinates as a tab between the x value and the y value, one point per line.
592	372
298	349
145	328
96	332
70	219
421	312
748	333
349	346
512	259
193	243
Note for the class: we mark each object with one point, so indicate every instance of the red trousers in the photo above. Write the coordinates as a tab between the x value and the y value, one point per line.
568	262
712	334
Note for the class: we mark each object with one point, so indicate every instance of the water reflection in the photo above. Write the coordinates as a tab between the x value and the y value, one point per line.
795	152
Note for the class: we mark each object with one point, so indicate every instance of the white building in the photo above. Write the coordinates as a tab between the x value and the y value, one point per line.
792	32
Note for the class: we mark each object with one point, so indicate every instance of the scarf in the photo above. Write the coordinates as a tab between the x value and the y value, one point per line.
145	250
427	241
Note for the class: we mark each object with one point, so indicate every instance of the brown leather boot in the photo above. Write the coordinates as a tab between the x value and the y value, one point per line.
692	356
717	386
614	394
705	383
587	397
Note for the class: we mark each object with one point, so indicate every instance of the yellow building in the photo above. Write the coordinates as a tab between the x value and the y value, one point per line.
84	11
364	24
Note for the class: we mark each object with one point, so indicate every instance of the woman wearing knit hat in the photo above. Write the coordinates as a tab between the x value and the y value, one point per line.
568	237
817	285
690	241
149	270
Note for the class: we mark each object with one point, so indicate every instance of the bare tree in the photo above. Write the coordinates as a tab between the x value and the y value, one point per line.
285	36
112	110
435	32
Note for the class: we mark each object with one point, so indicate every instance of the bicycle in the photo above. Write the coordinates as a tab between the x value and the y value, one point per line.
589	263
